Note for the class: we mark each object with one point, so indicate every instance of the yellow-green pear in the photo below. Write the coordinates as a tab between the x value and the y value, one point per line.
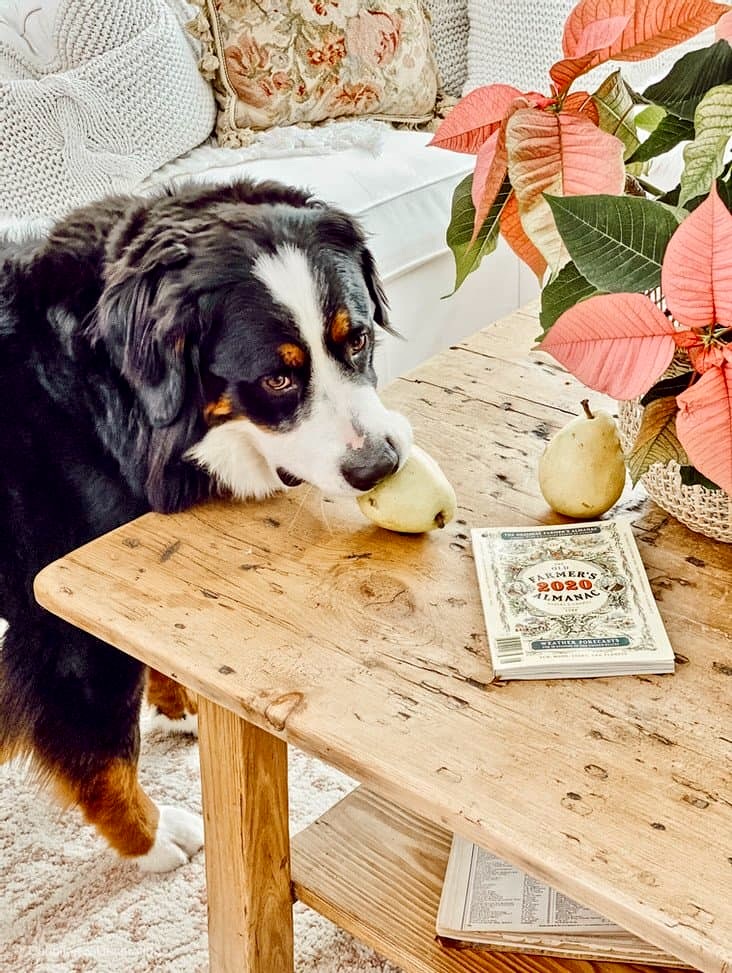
582	470
416	498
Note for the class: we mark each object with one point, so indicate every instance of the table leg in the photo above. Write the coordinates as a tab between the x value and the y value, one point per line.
245	811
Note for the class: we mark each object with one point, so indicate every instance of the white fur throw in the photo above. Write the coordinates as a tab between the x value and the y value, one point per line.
93	98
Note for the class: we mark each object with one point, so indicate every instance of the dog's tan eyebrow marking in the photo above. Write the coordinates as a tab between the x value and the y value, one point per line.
219	411
340	326
292	355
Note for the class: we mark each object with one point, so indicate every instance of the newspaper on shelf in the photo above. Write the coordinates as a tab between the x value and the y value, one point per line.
570	600
486	901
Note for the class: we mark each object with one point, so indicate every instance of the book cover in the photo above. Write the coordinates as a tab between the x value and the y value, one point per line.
568	600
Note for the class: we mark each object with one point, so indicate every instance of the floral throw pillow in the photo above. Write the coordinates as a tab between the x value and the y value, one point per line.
285	62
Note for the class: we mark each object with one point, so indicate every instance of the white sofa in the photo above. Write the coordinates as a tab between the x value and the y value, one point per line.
399	188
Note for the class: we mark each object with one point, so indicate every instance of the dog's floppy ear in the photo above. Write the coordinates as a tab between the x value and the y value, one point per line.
146	326
376	290
336	228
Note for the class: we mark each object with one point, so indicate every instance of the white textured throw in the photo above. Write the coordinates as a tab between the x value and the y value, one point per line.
93	98
450	39
516	43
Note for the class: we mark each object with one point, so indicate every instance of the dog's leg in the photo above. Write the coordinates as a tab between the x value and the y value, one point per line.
78	712
159	837
176	709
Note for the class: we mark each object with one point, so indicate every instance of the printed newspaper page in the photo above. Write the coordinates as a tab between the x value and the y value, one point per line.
499	897
489	904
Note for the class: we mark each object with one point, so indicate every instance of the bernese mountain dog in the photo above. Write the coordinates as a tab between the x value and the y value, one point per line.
154	352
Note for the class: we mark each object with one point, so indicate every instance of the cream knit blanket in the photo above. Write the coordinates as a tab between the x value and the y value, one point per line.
93	98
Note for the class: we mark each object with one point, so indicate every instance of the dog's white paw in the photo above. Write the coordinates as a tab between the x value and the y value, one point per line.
188	724
179	836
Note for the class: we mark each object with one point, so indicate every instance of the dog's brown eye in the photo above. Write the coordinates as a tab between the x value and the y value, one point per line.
358	342
277	383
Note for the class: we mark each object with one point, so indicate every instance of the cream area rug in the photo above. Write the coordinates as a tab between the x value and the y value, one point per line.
69	905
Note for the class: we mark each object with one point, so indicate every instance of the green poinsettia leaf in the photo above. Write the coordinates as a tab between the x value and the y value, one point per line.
690	78
704	157
724	188
565	290
616	242
460	229
650	117
692	477
615	106
668	386
669	132
656	441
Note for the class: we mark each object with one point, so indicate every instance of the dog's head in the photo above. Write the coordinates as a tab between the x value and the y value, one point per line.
245	320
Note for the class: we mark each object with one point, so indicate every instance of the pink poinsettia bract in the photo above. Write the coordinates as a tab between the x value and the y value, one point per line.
621	344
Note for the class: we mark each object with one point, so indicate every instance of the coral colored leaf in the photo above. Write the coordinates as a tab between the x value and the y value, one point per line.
596	35
651	27
565	71
619	344
483	165
696	278
582	103
474	119
687	339
492	181
703	358
656	440
561	154
724	28
704	424
704	157
515	236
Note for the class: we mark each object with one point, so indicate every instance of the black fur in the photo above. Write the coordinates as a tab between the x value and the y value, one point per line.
106	331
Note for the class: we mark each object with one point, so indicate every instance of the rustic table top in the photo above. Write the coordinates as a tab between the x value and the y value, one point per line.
368	649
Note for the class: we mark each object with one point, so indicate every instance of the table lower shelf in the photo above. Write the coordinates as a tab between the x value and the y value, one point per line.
377	871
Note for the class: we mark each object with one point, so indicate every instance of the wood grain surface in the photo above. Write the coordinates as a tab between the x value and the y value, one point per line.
244	791
377	871
368	649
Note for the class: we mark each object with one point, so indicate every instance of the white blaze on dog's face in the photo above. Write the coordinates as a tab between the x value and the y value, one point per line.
296	397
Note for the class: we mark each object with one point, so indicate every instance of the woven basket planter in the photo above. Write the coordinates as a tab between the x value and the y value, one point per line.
708	512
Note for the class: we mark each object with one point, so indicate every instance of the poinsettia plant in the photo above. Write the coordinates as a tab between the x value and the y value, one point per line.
636	279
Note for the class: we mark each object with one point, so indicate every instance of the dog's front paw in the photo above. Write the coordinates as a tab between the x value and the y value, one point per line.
179	836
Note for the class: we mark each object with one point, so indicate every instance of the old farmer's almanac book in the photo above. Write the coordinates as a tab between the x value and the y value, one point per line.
570	600
485	901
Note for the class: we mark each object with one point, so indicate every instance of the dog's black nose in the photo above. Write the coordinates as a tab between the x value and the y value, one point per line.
364	468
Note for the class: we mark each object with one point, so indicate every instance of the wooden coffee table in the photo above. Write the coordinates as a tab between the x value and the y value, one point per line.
299	622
